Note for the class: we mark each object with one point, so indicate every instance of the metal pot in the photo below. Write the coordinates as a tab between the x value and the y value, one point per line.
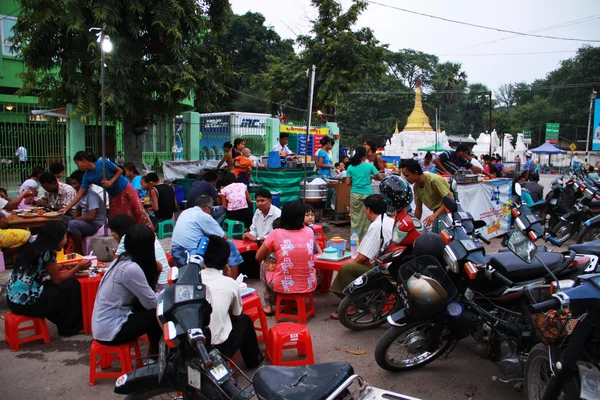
314	191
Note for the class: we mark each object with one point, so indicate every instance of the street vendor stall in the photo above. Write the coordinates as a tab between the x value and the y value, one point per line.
286	182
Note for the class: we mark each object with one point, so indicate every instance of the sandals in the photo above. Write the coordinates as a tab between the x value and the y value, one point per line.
268	314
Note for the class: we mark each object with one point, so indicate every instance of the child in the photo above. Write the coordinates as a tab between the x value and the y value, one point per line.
243	166
340	170
309	219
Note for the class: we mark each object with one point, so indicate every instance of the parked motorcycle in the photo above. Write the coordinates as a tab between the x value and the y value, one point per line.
189	368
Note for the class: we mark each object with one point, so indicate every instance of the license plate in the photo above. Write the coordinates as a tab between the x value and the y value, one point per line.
590	380
194	377
219	371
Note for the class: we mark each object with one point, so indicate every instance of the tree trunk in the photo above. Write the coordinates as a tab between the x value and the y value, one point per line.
132	144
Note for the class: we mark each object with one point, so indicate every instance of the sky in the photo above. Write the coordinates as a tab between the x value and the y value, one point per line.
487	56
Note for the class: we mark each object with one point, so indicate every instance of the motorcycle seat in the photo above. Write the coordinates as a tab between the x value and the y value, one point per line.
298	383
538	203
517	270
592	248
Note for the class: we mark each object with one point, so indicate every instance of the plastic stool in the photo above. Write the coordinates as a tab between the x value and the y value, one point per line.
298	337
229	226
162	232
2	266
285	310
110	353
88	240
11	330
321	238
253	309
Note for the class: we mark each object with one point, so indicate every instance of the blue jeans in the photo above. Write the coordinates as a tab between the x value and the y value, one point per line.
180	258
219	213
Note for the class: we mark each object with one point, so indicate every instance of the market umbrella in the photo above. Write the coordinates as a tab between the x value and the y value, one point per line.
433	147
547	148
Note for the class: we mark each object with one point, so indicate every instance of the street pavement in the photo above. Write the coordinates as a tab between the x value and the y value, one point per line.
60	369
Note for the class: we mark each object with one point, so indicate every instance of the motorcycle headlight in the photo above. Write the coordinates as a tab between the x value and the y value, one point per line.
184	293
451	259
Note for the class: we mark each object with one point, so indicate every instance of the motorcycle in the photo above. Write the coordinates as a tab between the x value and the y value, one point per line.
374	294
189	368
558	201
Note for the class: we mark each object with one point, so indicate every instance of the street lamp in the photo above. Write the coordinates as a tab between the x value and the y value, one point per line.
105	47
587	142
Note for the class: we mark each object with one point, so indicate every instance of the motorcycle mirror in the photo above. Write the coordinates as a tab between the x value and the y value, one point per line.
450	204
518	190
479	224
521	246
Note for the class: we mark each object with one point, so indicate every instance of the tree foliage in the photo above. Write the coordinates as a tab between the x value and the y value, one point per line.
410	66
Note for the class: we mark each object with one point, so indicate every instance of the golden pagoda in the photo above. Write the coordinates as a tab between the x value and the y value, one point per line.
418	121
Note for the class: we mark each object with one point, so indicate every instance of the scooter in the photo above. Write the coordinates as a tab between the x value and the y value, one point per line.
189	368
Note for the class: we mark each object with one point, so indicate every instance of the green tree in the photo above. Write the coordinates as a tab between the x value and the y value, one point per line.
450	81
158	60
474	106
410	65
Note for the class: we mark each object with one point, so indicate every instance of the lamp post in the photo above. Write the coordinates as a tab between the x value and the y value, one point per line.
105	47
587	142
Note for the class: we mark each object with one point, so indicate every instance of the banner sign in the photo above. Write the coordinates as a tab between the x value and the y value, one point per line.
552	132
596	127
180	169
302	130
527	137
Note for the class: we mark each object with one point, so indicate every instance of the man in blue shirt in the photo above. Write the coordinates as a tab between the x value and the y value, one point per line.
192	225
529	166
450	161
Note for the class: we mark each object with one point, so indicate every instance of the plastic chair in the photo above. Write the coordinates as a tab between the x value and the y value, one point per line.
289	335
2	266
283	307
229	226
253	309
12	330
88	240
162	225
110	353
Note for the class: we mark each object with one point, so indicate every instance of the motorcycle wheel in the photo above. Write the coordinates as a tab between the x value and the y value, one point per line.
373	307
537	376
161	393
408	340
588	234
564	230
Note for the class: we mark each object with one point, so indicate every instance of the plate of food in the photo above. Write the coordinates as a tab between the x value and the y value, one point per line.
52	214
30	214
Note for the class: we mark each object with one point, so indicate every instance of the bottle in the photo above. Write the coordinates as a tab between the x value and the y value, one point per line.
354	244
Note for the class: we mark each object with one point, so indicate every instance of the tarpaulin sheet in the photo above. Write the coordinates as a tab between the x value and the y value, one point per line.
286	182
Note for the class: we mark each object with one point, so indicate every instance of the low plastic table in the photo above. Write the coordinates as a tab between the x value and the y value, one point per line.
328	267
244	245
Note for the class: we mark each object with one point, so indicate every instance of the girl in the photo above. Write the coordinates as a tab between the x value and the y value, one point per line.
125	307
227	157
238	146
358	176
134	177
37	288
323	159
293	244
123	197
235	199
372	155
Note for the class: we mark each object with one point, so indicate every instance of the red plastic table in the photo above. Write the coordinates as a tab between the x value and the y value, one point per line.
244	245
89	288
328	267
252	306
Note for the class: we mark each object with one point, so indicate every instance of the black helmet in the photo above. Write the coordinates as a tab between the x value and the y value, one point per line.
430	244
396	192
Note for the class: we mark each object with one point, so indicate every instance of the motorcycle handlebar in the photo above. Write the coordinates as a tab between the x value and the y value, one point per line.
554	241
544	306
204	357
482	238
502	278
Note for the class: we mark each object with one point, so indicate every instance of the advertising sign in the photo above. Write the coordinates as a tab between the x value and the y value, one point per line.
552	132
596	127
302	129
527	137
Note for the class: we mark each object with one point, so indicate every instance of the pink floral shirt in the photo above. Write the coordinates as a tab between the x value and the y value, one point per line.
235	193
295	272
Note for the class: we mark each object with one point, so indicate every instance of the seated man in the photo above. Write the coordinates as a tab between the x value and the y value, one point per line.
192	225
231	330
11	240
375	208
89	215
262	222
207	186
57	194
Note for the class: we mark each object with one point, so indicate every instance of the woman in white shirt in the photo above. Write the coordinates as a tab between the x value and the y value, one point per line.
125	307
32	182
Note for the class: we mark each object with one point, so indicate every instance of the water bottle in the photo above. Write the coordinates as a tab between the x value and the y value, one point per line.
354	244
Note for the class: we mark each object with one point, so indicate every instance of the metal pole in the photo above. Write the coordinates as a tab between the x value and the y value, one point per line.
587	142
310	105
490	122
103	126
436	129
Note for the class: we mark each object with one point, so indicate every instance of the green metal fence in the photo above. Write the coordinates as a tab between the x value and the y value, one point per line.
44	138
159	142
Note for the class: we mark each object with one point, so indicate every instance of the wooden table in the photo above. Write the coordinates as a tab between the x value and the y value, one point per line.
17	222
244	245
328	267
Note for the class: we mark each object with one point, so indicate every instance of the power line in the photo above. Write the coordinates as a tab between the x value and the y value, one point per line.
507	54
9	14
481	26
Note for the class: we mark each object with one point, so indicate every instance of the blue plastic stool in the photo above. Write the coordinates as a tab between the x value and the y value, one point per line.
162	232
229	226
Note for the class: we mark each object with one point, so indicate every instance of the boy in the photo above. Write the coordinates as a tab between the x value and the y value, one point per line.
89	215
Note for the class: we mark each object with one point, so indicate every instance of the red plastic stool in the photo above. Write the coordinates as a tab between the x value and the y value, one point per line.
298	337
321	238
11	330
285	310
252	307
110	353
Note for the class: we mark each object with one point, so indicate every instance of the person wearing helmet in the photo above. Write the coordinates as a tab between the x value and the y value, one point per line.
429	189
380	231
396	192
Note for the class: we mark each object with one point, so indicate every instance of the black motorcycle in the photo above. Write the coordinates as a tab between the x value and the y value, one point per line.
583	209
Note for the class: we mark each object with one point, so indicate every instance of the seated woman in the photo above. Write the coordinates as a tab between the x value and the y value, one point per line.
89	215
32	183
293	244
119	226
132	174
37	288
162	197
125	307
235	199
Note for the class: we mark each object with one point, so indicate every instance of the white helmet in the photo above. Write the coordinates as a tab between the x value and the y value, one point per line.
426	290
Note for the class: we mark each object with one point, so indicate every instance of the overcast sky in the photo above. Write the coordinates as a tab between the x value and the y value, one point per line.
458	43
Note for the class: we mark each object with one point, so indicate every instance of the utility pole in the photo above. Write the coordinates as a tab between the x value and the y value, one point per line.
490	121
310	105
587	142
